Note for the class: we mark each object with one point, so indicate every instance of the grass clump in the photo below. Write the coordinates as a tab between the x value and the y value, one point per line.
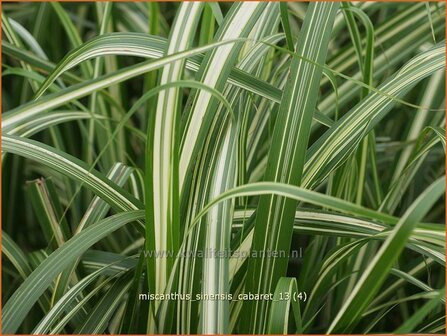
262	167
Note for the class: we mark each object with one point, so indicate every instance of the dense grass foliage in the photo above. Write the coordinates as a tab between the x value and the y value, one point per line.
223	167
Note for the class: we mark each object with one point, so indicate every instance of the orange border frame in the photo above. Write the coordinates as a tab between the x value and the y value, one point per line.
1	34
